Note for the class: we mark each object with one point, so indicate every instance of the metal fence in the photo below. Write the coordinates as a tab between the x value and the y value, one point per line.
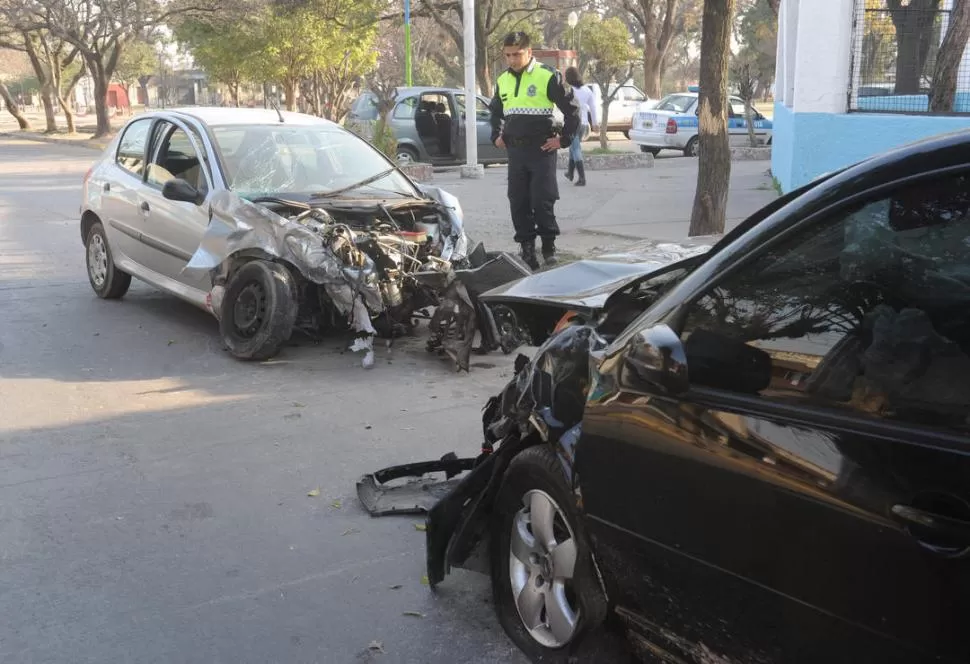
894	59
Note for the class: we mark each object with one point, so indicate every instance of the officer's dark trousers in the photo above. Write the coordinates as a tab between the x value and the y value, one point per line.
533	192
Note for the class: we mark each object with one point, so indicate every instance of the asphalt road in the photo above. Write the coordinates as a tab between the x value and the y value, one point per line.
153	491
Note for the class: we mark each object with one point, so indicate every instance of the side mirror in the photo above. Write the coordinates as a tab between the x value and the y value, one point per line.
655	356
178	189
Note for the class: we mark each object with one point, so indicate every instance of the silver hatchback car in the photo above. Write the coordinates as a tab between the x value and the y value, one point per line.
272	221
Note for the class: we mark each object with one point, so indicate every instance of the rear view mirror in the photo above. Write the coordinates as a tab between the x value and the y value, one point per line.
726	363
656	357
178	189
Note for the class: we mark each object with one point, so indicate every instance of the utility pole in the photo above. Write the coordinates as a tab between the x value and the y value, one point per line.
408	80
471	169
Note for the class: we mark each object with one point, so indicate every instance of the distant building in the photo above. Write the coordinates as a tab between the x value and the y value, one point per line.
845	91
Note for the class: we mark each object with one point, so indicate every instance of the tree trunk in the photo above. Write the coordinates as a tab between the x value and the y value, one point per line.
749	120
47	96
652	65
714	159
914	32
12	107
234	93
948	60
290	88
101	83
65	105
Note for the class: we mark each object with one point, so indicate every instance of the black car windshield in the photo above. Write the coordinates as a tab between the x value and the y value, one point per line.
268	159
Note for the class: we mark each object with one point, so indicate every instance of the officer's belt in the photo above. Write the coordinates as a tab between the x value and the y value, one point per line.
531	141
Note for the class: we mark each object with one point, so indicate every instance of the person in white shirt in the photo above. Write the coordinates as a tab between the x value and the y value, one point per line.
588	113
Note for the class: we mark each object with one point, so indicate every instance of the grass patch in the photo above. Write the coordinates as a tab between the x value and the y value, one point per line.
777	185
603	151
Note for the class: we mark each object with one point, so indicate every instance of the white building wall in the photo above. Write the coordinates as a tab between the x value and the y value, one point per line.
823	57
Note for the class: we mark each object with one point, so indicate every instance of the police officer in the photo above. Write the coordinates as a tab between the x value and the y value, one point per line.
525	95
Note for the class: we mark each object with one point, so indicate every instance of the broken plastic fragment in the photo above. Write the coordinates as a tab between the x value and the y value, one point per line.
314	493
414	614
424	580
420	526
335	504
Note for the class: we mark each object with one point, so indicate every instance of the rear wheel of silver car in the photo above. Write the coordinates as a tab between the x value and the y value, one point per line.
546	591
258	310
690	150
406	155
106	279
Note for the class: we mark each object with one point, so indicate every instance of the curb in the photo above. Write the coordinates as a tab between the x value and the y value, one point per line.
86	143
609	162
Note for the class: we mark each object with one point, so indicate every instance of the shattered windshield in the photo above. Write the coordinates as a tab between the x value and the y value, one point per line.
269	159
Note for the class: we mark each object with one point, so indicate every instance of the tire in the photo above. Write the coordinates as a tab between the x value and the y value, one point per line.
406	154
537	473
108	281
649	150
258	310
691	149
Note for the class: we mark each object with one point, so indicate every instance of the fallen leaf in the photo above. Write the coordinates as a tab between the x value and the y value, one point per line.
420	526
171	341
396	586
376	645
335	504
424	581
351	531
314	493
368	427
414	614
297	404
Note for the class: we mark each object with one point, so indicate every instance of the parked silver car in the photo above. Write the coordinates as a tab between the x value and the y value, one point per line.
272	221
429	124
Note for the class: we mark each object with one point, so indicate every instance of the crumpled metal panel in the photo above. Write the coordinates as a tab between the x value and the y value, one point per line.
455	245
237	225
587	284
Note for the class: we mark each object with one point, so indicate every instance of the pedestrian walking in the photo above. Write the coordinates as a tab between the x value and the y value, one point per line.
588	113
522	124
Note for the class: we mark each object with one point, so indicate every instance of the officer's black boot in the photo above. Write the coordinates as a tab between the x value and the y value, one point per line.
549	250
529	254
581	182
570	169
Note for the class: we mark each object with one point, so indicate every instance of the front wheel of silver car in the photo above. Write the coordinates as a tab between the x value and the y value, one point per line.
258	310
546	591
108	282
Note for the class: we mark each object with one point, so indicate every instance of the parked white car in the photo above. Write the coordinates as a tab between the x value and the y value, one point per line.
629	98
672	124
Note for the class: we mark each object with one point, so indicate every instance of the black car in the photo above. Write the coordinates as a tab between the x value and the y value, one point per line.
758	454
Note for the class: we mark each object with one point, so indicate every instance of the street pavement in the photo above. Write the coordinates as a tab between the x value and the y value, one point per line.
154	498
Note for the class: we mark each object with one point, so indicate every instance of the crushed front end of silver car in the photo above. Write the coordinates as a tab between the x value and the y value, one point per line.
373	266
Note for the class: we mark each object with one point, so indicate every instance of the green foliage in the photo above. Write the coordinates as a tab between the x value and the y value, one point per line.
384	139
227	50
757	31
137	59
430	73
608	46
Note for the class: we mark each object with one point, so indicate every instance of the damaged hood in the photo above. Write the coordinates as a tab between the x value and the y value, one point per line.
587	284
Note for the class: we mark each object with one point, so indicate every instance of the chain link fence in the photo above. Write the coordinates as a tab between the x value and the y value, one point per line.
895	56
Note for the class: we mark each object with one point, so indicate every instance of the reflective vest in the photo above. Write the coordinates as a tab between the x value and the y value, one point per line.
526	95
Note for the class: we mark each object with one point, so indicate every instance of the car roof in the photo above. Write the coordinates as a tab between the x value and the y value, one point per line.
217	115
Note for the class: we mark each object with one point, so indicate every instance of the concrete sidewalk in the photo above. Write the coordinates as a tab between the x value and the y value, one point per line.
616	207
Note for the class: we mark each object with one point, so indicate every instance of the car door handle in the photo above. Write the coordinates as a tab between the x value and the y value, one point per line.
943	534
145	207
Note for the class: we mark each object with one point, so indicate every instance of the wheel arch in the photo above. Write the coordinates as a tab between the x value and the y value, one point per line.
88	220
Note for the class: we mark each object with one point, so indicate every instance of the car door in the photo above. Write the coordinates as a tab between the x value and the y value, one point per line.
172	230
483	126
737	124
807	498
121	191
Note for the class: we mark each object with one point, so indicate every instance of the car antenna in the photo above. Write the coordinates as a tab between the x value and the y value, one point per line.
276	107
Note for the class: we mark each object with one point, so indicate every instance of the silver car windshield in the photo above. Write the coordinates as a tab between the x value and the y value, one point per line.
270	159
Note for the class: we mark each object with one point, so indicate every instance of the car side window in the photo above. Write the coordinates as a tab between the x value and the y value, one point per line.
176	157
131	148
867	311
405	110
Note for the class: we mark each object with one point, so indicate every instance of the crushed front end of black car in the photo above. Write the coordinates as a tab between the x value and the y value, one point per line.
566	315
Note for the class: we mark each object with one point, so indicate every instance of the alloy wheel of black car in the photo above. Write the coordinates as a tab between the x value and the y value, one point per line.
545	588
108	282
258	310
